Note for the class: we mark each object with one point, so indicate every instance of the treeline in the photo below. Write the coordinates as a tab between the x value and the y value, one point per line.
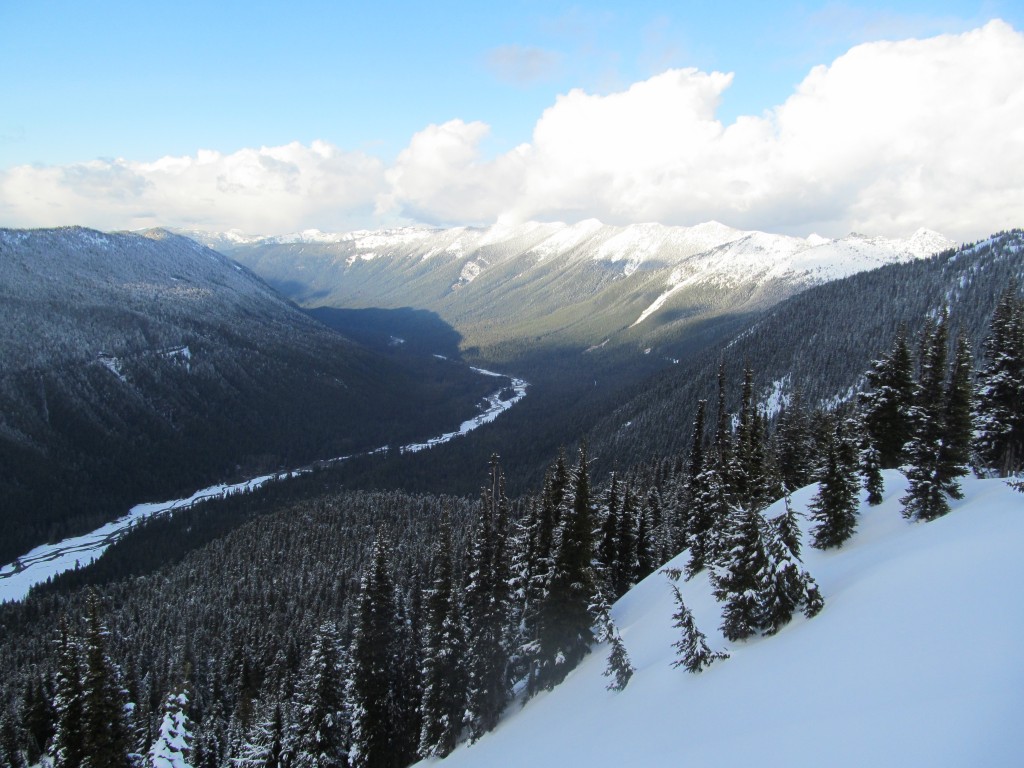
371	629
820	341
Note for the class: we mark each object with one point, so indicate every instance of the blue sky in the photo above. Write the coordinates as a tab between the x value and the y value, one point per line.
131	83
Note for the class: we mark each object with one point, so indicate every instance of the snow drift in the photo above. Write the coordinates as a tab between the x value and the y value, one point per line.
914	661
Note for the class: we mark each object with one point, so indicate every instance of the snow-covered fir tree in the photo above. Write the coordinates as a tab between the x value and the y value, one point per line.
834	506
933	468
1000	392
68	739
737	578
104	730
371	683
172	747
487	610
565	632
444	673
887	405
694	653
321	721
618	668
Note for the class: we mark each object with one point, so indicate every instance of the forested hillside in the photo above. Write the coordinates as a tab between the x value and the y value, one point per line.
817	345
376	628
137	367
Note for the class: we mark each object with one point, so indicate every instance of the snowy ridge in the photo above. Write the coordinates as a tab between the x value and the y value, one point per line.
762	258
914	661
643	260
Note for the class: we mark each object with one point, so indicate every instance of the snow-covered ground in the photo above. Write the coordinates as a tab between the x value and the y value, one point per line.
916	660
48	560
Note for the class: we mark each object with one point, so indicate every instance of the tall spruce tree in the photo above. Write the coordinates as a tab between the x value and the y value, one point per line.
371	683
888	404
321	722
565	632
793	444
172	747
959	413
1000	393
487	610
444	673
105	741
68	738
834	506
933	473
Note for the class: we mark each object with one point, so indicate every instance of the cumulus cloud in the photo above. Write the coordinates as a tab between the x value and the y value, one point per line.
271	189
889	137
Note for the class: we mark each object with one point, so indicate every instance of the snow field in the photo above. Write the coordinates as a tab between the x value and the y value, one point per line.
914	661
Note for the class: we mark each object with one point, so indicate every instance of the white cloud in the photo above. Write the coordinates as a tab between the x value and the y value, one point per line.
271	189
889	137
440	178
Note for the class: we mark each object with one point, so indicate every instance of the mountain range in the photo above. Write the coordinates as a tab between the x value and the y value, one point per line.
141	366
585	284
144	364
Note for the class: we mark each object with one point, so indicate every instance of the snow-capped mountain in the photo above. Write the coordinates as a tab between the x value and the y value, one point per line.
913	661
134	363
588	280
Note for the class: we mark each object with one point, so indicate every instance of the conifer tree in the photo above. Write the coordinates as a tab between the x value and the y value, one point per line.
793	444
487	610
959	412
625	568
104	730
267	744
172	747
619	667
39	718
68	739
648	551
608	546
565	632
887	406
694	654
444	674
321	723
696	463
785	584
11	753
371	682
871	469
933	471
738	578
834	506
1000	393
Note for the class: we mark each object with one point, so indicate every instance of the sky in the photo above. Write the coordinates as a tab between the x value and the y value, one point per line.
790	117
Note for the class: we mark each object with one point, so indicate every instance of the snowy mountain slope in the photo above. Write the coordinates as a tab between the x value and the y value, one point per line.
552	274
914	661
138	366
819	341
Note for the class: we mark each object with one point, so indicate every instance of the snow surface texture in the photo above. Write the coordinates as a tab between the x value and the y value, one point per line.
48	560
914	661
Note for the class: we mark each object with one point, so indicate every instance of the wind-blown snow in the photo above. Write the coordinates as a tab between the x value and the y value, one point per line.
47	560
914	661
